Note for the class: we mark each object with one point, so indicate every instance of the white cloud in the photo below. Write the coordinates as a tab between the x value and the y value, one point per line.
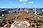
30	2
23	0
24	3
20	0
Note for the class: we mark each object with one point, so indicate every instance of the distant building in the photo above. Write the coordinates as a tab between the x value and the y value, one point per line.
42	9
39	10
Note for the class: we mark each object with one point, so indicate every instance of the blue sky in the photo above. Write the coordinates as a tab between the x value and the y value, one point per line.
21	3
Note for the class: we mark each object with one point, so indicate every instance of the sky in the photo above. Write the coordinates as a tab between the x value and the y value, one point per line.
21	3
